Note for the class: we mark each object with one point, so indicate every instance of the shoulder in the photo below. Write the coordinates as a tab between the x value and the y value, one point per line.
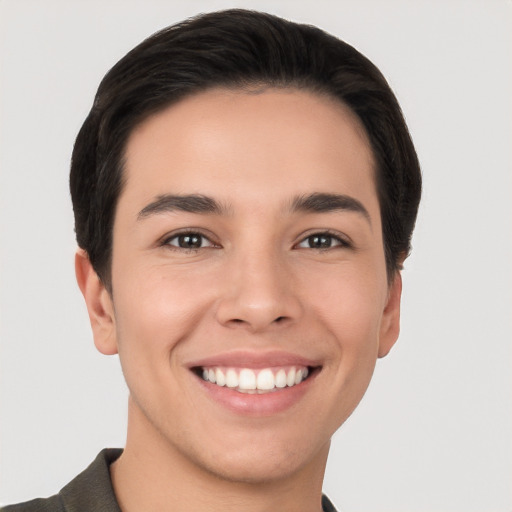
52	504
327	505
90	490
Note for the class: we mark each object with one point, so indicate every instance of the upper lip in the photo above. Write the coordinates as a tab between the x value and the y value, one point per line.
250	359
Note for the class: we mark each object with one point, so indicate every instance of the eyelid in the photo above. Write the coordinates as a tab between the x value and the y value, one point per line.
344	240
165	240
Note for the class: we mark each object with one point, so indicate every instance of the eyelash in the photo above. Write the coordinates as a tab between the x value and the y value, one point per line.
191	233
339	240
332	238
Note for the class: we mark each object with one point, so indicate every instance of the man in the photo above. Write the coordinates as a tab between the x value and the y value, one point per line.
245	190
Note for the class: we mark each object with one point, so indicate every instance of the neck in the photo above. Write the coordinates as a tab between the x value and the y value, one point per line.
153	474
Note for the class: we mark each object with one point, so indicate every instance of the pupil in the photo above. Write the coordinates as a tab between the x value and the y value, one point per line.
319	241
190	241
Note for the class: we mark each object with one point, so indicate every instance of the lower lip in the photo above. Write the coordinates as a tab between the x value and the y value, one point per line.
265	404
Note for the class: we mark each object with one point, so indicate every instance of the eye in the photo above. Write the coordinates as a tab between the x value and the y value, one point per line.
323	241
189	240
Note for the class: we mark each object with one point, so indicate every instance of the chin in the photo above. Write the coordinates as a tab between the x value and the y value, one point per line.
259	462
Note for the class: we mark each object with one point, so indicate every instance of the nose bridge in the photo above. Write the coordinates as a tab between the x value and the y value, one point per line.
259	289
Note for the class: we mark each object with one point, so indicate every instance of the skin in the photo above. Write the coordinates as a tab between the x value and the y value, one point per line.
255	286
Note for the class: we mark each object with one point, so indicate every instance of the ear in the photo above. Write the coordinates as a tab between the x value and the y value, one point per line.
99	304
390	323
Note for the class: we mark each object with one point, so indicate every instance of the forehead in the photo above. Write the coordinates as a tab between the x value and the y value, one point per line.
230	143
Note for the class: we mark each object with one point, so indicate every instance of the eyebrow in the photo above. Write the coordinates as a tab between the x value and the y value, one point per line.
191	203
317	202
320	202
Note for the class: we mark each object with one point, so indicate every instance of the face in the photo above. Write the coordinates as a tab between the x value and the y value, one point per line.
250	299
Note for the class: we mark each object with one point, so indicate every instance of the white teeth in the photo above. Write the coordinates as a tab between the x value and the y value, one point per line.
220	379
265	380
290	378
231	379
281	379
247	380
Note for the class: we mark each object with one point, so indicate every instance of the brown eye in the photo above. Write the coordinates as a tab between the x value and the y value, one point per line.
322	241
319	241
189	241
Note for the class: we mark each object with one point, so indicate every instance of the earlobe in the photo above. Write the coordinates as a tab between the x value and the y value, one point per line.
99	304
390	324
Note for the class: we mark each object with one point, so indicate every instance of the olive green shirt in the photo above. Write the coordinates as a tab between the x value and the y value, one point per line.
91	491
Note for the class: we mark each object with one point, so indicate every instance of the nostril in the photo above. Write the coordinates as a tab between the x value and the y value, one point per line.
279	319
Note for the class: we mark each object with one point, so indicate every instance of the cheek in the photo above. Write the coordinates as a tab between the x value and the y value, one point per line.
150	330
350	304
168	306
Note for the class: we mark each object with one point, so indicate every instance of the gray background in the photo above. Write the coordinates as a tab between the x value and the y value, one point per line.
434	431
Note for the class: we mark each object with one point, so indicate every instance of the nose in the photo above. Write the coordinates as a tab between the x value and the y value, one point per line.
258	293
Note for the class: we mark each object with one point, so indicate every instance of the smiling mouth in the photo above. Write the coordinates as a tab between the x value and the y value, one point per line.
252	381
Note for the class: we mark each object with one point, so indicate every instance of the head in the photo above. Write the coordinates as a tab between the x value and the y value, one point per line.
238	49
245	190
